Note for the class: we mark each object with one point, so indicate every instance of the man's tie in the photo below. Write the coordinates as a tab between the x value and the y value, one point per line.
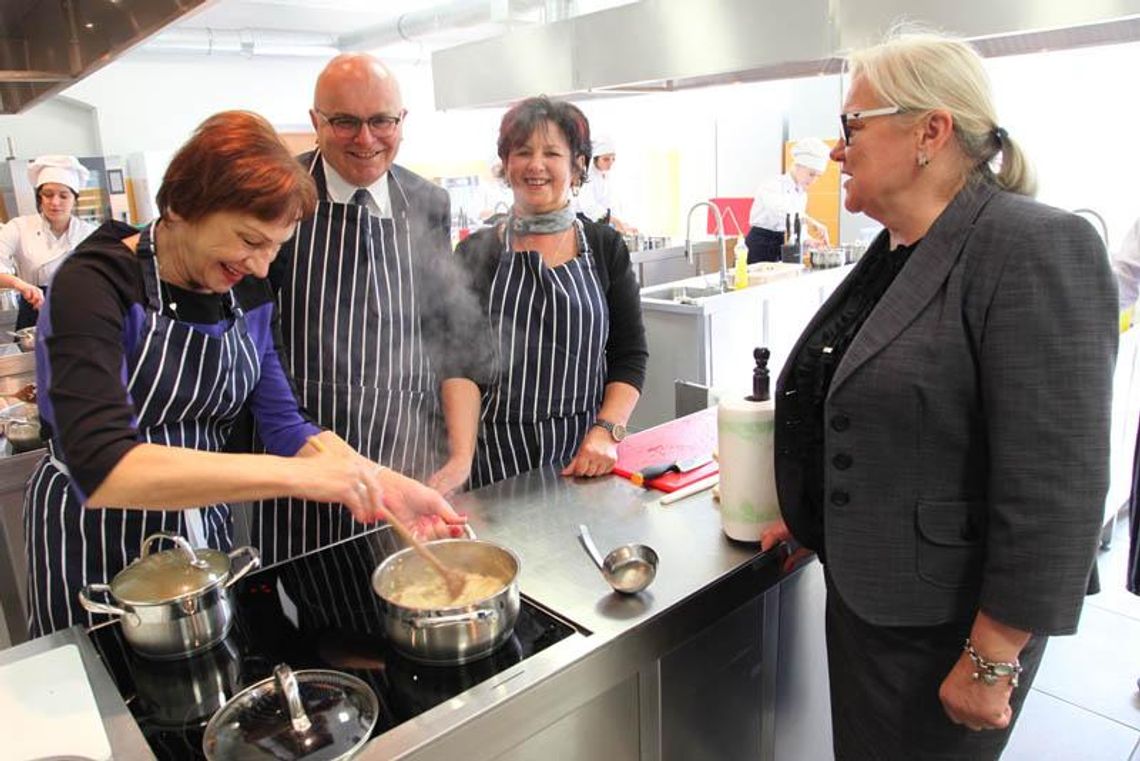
361	196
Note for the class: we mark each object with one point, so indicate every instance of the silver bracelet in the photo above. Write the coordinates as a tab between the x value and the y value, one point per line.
991	671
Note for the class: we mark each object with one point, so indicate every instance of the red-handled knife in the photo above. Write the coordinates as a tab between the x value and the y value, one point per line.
645	475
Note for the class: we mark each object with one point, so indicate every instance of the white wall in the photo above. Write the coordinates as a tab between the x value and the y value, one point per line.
58	125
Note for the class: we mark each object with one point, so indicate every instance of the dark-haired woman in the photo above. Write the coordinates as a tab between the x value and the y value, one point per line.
150	343
563	309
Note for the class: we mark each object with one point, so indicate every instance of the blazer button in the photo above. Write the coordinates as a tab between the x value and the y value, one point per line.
841	461
840	497
840	423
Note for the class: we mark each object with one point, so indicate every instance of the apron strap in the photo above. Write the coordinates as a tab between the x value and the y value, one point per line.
146	250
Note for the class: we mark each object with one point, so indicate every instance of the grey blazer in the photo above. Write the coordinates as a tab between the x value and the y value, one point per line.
973	412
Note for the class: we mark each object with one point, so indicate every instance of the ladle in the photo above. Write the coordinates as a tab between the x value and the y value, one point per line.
629	569
455	580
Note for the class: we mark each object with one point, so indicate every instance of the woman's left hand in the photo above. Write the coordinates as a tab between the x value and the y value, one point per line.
596	457
973	703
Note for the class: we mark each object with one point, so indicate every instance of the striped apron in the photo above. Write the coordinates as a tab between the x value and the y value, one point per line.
187	388
353	327
550	330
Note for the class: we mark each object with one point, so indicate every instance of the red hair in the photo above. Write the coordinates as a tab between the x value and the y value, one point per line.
235	162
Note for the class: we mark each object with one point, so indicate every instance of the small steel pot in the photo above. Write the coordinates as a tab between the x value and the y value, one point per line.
457	634
25	338
174	603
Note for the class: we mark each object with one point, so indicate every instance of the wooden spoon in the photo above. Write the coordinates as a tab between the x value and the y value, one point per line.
455	580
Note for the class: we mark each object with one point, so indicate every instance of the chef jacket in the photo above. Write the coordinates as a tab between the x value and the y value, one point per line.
595	198
775	200
1126	266
32	251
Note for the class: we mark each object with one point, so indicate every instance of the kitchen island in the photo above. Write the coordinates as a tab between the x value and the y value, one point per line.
686	669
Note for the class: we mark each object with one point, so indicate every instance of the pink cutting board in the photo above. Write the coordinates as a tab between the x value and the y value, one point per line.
690	436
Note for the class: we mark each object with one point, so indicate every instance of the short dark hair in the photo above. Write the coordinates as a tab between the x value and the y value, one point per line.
524	117
235	162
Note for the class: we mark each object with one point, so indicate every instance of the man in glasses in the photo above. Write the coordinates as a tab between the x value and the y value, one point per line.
361	293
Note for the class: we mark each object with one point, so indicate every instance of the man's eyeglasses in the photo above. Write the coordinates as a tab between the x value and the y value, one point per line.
855	117
380	125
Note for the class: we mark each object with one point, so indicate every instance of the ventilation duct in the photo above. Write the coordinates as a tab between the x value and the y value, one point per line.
661	45
46	45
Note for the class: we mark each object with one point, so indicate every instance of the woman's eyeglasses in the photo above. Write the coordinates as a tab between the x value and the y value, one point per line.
346	126
856	117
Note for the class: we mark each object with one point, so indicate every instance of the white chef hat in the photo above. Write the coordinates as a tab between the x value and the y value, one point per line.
66	170
811	152
602	145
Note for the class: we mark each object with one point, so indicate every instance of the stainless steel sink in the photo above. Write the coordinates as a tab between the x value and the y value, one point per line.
681	293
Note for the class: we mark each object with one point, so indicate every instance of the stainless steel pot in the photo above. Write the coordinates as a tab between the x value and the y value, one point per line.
174	603
457	634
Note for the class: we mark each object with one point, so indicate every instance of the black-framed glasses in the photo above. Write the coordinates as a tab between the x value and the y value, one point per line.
851	117
346	126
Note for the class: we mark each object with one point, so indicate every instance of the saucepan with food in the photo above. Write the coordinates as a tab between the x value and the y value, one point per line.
426	623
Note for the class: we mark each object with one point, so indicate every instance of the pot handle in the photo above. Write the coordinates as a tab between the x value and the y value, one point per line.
98	607
252	564
435	622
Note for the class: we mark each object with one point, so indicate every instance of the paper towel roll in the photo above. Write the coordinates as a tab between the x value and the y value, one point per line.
746	446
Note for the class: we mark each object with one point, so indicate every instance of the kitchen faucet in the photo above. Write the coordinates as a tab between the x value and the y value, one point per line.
719	236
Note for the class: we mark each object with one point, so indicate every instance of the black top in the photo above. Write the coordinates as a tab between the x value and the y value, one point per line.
626	350
815	365
94	321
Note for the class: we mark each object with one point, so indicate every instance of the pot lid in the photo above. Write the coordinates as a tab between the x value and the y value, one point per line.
312	714
168	575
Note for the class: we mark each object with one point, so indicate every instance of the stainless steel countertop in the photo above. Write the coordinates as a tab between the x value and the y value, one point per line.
647	255
536	514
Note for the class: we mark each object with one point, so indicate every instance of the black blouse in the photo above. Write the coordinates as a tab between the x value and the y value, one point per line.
815	364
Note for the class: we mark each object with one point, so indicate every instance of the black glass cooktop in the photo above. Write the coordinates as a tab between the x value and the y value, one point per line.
317	611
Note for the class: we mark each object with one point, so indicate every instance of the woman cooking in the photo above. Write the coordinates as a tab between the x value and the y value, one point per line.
942	425
784	198
34	245
562	308
149	345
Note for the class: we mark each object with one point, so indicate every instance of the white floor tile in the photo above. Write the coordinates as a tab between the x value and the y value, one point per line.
1053	730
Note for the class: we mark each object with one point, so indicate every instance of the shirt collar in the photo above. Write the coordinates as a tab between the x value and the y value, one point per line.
340	191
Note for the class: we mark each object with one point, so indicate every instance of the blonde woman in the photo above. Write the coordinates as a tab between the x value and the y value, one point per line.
942	423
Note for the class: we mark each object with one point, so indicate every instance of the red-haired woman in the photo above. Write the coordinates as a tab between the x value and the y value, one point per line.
150	343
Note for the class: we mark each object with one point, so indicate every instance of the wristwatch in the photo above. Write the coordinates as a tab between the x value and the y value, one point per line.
617	430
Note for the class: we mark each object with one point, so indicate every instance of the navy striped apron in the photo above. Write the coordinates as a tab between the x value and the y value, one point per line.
187	388
353	325
550	326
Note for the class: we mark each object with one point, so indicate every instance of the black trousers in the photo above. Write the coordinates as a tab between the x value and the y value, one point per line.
884	690
1133	580
27	315
763	245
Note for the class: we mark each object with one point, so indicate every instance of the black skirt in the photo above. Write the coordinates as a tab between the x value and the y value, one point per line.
884	690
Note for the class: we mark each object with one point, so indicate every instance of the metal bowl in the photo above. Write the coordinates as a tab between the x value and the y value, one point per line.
25	338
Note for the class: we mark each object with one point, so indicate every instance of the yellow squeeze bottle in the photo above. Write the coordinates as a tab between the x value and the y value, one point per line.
740	268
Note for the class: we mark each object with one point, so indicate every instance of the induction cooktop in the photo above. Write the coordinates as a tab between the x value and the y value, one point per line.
316	611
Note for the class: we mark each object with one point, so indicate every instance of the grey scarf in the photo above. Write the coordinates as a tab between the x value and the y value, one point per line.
538	224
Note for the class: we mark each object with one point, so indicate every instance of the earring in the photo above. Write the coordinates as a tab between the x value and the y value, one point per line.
923	159
575	190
